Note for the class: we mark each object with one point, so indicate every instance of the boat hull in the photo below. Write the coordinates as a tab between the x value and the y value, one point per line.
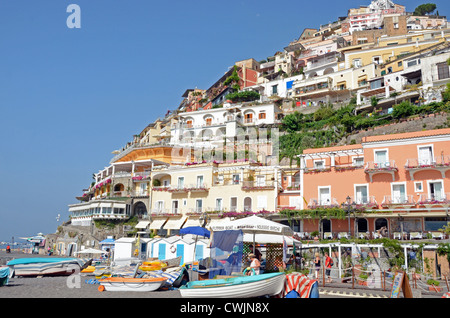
131	284
52	267
240	287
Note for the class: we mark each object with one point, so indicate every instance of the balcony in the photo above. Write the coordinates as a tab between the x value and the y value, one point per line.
294	187
323	203
440	163
429	200
198	187
392	201
373	168
365	202
254	185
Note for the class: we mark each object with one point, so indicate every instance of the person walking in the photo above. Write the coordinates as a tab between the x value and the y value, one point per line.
255	264
328	265
317	265
8	249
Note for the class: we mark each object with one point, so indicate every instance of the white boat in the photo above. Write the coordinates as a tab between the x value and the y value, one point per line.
37	266
269	284
131	284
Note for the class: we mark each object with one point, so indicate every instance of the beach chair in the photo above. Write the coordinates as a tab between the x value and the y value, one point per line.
415	235
397	236
376	235
328	235
437	235
364	235
342	234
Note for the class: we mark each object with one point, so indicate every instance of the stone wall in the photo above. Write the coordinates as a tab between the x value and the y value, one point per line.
428	122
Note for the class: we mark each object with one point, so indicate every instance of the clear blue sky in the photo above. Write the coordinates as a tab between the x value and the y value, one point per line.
68	97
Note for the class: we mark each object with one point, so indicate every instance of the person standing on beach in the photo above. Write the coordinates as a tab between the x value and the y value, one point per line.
8	249
328	265
317	265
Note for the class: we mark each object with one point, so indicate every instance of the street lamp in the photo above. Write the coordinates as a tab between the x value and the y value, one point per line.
350	207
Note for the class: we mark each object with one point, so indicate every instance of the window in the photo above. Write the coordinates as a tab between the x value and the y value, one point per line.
399	193
361	194
220	178
189	124
262	115
236	179
180	182
208	121
248	118
233	204
199	181
143	188
159	206
418	186
175	207
357	63
425	155
198	205
324	196
319	164
260	181
358	162
381	158
274	89
219	206
443	70
435	189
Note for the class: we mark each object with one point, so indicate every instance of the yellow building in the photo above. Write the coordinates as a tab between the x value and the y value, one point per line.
210	191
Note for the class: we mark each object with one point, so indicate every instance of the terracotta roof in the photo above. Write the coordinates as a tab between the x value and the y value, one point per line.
408	135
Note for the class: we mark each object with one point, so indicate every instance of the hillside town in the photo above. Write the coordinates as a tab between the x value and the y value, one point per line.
341	135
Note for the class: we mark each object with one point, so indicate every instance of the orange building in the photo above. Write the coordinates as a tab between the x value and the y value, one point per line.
399	181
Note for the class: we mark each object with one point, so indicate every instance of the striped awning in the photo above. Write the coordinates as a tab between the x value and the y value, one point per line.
174	224
157	224
142	224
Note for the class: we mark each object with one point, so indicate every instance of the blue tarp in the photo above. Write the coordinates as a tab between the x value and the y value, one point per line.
4	276
289	84
196	230
108	241
226	252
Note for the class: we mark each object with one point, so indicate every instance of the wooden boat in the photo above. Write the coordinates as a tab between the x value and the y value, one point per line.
89	270
38	266
131	284
269	284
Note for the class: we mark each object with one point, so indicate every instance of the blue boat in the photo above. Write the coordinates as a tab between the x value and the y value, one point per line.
269	284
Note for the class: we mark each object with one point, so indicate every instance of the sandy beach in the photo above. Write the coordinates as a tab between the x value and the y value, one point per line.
64	286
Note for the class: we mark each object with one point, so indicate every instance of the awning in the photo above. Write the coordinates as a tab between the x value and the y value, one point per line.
192	222
142	225
157	224
214	222
174	224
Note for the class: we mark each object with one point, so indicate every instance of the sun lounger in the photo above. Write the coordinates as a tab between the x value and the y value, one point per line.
415	235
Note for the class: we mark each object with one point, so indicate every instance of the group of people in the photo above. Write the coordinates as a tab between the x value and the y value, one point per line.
328	265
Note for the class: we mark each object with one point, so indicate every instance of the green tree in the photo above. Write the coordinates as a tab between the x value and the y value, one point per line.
426	8
293	122
402	110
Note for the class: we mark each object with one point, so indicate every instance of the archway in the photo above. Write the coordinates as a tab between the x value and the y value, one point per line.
139	209
247	204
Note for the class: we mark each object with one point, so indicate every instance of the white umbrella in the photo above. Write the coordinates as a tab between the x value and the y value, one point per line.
91	251
254	225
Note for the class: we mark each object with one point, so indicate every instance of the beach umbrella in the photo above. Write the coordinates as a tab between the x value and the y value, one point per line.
196	230
90	251
254	225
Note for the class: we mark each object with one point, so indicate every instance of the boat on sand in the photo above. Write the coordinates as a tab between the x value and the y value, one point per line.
52	266
269	284
131	284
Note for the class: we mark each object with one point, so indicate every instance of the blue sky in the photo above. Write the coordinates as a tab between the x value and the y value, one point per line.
69	97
